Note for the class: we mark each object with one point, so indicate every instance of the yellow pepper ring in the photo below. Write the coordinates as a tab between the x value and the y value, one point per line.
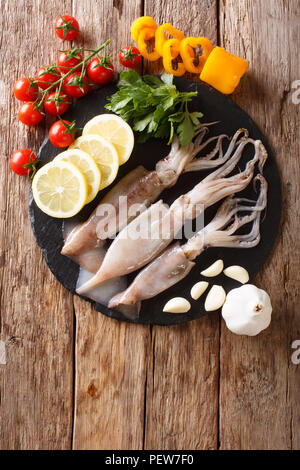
145	35
171	52
139	24
187	46
161	38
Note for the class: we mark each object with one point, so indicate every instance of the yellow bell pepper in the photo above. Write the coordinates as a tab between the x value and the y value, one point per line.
141	23
223	70
161	38
145	35
171	52
187	46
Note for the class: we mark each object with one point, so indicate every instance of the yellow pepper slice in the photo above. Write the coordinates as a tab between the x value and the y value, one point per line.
161	38
223	70
144	35
140	23
171	52
187	46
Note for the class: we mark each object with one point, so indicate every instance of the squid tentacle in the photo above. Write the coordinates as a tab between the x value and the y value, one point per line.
220	231
207	162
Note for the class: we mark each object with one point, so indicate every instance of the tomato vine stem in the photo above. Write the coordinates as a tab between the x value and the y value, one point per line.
72	69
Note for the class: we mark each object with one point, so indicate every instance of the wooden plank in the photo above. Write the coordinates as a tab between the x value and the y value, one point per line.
182	386
182	377
110	356
110	381
259	386
36	311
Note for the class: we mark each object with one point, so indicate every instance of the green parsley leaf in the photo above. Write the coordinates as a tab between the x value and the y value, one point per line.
195	117
185	130
154	107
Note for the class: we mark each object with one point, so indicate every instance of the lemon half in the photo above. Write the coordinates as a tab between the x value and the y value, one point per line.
87	165
60	189
114	129
104	154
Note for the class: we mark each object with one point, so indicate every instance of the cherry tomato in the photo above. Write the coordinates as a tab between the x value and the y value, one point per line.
75	86
100	70
19	159
28	115
61	134
24	90
66	27
55	104
68	59
45	76
130	56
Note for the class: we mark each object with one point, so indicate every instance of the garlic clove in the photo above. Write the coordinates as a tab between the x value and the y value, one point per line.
177	305
238	273
213	270
198	289
215	298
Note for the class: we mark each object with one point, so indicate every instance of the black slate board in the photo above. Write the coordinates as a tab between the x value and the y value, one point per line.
215	107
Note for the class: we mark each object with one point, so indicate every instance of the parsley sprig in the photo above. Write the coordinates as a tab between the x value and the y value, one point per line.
154	107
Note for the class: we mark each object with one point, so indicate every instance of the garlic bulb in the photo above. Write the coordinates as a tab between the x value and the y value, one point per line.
247	310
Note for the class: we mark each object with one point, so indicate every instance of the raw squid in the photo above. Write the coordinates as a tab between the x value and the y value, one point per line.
102	294
127	253
137	191
177	261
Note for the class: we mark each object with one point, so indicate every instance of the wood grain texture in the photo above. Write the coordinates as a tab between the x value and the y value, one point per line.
258	382
110	356
110	382
183	369
36	312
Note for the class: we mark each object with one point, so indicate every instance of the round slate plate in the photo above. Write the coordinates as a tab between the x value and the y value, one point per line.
215	107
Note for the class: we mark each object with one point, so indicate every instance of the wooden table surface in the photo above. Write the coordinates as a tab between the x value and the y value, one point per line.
71	378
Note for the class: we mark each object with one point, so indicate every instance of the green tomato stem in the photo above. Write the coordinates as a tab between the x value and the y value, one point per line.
72	69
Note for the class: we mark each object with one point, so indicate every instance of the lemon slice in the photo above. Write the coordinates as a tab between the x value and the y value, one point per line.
104	154
87	165
60	189
115	130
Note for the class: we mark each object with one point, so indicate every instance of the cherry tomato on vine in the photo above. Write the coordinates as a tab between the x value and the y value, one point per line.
23	162
100	70
62	133
66	27
45	76
75	86
24	90
29	115
56	104
68	59
130	56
